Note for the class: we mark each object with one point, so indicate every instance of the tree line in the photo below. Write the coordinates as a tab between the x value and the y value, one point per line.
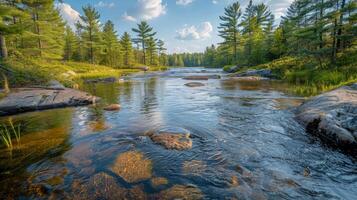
35	29
322	30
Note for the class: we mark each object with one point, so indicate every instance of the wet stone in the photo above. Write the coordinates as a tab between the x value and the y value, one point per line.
158	181
104	186
183	192
112	107
194	84
172	141
132	166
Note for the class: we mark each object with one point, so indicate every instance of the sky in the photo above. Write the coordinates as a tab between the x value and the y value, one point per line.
184	25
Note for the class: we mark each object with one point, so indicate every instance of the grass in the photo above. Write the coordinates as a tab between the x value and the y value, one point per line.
31	71
7	134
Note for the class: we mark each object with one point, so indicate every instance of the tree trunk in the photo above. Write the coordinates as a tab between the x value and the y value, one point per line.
143	46
340	25
3	48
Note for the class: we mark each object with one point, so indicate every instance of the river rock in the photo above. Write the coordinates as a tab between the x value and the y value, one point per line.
262	73
158	181
31	99
251	78
233	69
332	116
102	80
132	166
202	78
183	192
172	141
194	84
112	107
142	68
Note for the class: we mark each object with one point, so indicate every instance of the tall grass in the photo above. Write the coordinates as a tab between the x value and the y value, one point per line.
7	134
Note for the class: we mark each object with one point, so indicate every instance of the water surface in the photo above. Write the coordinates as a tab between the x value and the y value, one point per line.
246	145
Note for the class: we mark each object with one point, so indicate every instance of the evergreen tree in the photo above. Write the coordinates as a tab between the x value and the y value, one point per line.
69	44
151	50
112	48
161	51
91	32
144	32
229	28
127	49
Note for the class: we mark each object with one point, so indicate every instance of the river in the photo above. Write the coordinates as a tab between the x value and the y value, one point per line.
246	145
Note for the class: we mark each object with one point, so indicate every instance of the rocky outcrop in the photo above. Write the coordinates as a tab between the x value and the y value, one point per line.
202	78
262	73
232	69
332	116
32	99
194	84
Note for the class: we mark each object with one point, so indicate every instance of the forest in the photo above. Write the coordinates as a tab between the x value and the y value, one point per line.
314	43
33	33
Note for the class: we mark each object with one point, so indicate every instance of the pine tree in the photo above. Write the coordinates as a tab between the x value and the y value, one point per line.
144	32
91	34
127	49
229	28
112	48
69	44
161	51
151	50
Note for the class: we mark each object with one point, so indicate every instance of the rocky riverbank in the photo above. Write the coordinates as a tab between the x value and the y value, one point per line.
332	116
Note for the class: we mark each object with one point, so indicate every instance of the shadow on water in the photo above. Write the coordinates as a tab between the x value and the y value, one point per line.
245	145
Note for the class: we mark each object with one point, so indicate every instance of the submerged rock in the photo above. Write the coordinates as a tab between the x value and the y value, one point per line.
132	166
102	80
183	192
158	181
31	99
202	78
112	107
332	116
171	141
251	78
104	186
194	84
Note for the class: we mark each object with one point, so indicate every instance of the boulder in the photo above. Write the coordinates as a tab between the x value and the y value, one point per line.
102	80
31	99
232	69
112	107
171	141
332	116
194	84
184	192
262	73
202	78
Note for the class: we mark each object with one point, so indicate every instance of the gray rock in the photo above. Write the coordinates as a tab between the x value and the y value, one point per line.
55	85
30	99
263	73
102	80
202	78
332	116
194	84
233	69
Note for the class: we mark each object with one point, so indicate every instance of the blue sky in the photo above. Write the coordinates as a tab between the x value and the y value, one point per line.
184	25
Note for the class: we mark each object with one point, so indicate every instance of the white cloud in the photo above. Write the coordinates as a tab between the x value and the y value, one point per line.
68	14
103	4
145	10
214	1
195	33
184	2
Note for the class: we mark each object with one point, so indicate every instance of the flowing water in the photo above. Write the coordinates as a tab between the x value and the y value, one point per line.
245	145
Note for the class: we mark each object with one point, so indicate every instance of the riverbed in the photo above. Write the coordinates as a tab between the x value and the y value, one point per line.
246	144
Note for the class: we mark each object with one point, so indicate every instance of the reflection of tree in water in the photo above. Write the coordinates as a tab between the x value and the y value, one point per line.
149	94
108	92
125	91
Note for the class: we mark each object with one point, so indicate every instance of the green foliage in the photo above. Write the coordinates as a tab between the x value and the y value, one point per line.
144	33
